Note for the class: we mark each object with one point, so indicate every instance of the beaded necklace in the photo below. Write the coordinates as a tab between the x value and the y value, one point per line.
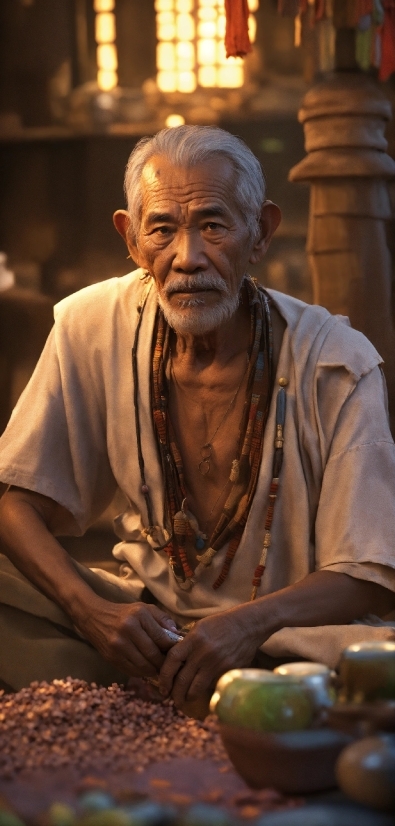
182	524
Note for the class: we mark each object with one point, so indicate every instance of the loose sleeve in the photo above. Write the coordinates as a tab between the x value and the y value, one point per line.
355	524
55	443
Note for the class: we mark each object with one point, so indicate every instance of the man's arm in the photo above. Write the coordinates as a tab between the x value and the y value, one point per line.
129	635
231	639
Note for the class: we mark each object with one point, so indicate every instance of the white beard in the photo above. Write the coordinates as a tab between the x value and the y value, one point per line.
191	315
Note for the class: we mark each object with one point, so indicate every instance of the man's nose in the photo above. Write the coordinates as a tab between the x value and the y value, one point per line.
189	252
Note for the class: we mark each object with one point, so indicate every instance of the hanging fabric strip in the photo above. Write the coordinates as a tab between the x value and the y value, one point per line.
387	66
237	41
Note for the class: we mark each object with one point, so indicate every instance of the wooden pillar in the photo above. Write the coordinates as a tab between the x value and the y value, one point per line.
348	170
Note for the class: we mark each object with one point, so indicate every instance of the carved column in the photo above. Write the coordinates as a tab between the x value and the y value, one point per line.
348	170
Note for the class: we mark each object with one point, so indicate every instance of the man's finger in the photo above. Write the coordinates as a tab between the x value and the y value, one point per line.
158	634
161	617
139	654
171	666
190	683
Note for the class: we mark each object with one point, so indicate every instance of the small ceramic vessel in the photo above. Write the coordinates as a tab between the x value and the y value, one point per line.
317	678
367	672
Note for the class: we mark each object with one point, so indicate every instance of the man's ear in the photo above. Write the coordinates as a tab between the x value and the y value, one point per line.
269	221
121	220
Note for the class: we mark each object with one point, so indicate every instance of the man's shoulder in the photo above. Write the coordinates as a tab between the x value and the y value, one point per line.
100	299
293	310
328	339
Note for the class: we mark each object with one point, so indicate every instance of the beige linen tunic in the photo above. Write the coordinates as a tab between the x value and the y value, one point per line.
72	437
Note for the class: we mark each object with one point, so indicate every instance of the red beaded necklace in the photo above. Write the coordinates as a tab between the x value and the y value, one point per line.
181	524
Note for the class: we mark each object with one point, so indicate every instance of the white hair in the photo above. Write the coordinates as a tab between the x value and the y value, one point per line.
186	146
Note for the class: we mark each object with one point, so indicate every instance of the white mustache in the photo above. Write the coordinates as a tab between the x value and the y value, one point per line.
200	281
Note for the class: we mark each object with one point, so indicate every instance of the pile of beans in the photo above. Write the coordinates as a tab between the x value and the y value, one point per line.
70	723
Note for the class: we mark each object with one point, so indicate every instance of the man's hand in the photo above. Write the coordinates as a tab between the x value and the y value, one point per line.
231	639
214	645
131	636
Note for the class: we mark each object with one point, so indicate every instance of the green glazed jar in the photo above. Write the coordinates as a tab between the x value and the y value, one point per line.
367	672
262	701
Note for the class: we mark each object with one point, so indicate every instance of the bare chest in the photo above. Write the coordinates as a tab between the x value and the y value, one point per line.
207	428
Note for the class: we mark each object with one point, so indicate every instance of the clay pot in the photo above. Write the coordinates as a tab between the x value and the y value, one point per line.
366	771
318	679
367	672
293	762
262	701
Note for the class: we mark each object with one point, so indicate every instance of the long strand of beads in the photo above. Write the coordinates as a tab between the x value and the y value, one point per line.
181	527
277	464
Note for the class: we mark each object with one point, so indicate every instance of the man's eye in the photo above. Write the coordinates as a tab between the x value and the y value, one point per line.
163	231
213	226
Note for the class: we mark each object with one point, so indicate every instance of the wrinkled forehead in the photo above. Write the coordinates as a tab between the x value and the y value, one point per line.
161	173
209	180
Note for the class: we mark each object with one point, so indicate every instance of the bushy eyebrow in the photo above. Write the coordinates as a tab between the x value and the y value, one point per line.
215	211
159	218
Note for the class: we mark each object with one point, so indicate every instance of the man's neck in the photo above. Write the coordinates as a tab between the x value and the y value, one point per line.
218	346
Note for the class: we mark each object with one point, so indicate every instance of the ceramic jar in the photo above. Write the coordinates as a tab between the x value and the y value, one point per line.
318	679
262	701
367	672
365	771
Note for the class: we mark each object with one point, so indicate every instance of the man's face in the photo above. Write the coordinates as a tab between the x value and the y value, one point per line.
194	241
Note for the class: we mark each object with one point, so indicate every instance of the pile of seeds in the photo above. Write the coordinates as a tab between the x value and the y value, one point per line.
70	723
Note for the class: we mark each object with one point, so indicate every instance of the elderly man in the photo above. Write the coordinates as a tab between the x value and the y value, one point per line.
247	430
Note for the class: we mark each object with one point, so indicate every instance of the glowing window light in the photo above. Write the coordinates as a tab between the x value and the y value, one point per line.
165	57
106	51
107	58
186	62
196	30
103	5
186	82
252	28
184	65
105	28
207	14
184	6
163	5
221	55
167	32
167	81
207	76
206	52
221	26
106	80
185	27
230	76
185	51
207	28
174	120
166	27
165	18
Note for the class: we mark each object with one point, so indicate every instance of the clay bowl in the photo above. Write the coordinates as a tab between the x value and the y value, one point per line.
293	762
359	719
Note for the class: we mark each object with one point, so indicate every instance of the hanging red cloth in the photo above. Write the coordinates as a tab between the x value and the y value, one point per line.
387	65
237	42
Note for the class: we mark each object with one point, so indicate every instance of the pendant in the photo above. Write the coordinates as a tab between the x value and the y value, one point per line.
204	464
199	543
187	584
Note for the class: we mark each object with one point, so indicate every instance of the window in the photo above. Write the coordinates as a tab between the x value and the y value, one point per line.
190	48
106	49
